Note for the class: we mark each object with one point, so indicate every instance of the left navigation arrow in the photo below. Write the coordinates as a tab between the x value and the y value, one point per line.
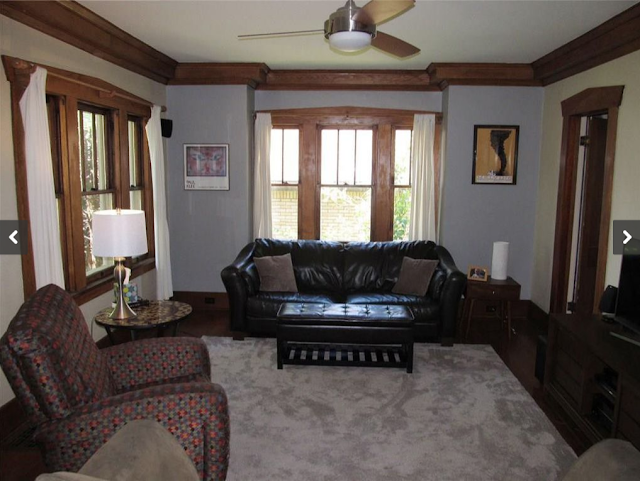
12	237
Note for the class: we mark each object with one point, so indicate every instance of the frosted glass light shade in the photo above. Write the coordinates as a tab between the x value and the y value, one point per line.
350	41
119	233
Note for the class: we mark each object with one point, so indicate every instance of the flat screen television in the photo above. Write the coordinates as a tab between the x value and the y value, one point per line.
628	302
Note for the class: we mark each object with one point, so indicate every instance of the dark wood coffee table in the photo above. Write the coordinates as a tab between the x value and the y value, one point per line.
345	335
157	315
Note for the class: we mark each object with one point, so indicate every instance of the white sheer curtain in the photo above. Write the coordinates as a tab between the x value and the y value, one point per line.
422	222
43	214
262	177
164	282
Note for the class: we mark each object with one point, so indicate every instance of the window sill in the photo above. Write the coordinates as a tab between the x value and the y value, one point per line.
100	286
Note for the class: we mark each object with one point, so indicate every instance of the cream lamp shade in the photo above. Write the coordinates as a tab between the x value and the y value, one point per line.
119	233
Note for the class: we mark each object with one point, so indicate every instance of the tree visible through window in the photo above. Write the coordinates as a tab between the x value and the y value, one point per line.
402	183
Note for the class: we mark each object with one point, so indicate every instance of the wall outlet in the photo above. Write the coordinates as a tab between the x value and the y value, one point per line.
209	300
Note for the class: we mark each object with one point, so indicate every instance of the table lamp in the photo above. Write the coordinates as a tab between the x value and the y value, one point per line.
119	233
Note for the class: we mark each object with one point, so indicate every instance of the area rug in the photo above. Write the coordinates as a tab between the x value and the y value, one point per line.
461	415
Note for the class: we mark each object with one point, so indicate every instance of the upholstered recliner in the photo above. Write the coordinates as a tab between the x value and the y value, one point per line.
79	396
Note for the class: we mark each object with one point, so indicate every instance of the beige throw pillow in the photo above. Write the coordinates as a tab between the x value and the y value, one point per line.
276	273
415	276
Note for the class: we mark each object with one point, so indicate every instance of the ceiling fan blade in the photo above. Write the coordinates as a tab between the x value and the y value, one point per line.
296	32
393	45
378	11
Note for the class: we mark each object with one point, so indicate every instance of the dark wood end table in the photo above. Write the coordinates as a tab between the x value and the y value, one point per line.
492	290
158	315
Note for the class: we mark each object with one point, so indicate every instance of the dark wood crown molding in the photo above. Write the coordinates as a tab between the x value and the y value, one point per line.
504	74
614	38
412	80
251	74
77	25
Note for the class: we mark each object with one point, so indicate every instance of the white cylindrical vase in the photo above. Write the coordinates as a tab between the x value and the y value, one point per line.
500	261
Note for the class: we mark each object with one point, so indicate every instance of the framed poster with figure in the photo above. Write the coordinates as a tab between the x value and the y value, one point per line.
495	154
206	166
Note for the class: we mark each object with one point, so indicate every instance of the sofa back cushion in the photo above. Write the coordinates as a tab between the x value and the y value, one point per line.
375	266
317	265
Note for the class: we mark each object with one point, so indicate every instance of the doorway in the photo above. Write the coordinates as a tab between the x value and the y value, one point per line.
583	213
588	209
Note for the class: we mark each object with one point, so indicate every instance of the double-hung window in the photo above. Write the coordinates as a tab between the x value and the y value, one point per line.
284	164
401	183
100	161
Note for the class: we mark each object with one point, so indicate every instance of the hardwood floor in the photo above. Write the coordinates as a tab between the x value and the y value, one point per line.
23	462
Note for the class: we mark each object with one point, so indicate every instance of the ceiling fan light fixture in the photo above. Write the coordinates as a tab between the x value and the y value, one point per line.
350	41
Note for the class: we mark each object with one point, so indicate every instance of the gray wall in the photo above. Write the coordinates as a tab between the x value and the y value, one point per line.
285	99
474	216
208	228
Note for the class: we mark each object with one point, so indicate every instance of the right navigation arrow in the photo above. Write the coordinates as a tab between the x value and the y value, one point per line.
627	237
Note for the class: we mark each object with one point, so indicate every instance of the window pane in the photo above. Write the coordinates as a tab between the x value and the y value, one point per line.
364	156
346	157
402	157
134	154
284	211
329	156
275	157
92	134
401	213
90	204
135	198
345	214
291	152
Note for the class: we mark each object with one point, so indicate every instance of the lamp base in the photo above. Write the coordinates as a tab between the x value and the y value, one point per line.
122	309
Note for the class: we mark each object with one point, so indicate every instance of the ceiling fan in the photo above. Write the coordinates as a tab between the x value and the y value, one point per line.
352	28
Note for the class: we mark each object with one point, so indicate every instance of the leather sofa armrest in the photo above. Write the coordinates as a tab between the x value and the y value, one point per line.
450	296
240	284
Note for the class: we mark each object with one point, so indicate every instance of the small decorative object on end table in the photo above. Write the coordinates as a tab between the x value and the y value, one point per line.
157	315
492	290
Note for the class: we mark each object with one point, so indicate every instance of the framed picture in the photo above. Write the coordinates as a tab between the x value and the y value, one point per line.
477	273
495	154
206	166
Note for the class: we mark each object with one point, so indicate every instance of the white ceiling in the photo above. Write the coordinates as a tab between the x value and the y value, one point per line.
445	31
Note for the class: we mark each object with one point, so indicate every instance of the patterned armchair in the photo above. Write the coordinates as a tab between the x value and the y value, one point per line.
78	396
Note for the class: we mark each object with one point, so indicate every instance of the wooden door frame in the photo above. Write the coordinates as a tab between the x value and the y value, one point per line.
602	100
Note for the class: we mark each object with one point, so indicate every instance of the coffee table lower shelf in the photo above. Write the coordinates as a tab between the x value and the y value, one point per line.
317	354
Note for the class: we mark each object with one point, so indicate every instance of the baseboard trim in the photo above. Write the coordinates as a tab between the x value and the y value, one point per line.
203	301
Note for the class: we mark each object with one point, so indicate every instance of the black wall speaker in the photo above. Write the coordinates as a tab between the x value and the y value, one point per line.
608	300
167	127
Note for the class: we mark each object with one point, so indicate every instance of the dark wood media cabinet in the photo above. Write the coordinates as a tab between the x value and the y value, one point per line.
594	377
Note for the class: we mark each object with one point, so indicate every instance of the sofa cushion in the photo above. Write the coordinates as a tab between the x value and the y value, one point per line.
317	265
266	304
415	275
375	266
276	273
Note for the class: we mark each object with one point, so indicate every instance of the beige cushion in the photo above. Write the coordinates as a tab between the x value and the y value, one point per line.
141	450
276	273
612	459
415	276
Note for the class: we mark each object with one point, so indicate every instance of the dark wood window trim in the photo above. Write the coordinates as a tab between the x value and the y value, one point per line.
311	121
66	90
593	101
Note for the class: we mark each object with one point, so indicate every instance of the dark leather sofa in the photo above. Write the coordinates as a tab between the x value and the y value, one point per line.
354	273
